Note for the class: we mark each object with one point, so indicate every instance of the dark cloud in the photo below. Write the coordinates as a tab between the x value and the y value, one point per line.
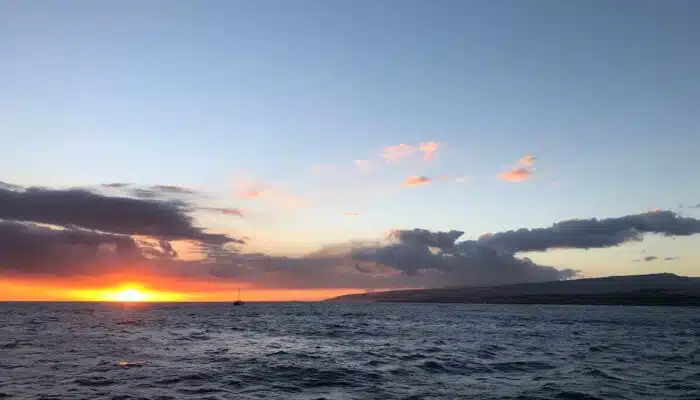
594	233
695	206
161	191
76	231
152	192
168	220
172	189
225	211
654	258
9	186
442	261
98	234
30	248
441	240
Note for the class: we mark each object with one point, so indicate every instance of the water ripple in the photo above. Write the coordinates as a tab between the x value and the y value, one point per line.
341	352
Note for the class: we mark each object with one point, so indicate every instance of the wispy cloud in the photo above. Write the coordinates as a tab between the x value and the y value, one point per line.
417	181
225	211
363	165
352	214
463	179
429	149
521	171
528	160
256	190
249	190
395	153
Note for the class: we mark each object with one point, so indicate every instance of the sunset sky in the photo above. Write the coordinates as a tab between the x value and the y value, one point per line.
300	150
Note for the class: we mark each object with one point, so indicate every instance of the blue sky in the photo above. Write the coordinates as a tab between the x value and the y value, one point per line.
204	94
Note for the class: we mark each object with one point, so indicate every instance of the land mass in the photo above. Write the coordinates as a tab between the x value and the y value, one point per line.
653	290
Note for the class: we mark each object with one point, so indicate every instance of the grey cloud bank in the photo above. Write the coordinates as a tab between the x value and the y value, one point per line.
97	232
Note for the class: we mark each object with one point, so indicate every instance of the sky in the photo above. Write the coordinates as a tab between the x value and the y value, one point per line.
334	146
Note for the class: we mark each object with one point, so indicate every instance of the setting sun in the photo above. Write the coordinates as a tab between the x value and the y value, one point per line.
130	295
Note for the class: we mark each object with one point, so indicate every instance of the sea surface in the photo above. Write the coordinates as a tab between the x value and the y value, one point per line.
344	351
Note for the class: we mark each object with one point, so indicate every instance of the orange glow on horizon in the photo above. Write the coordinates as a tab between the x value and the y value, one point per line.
163	290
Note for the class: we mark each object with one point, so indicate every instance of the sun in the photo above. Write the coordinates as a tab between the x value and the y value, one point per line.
130	295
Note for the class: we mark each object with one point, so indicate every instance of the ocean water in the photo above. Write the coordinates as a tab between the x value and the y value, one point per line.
343	351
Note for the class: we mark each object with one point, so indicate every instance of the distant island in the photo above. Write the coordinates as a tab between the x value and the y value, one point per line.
652	290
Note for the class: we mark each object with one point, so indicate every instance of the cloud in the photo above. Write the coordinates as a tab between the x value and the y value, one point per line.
594	233
151	192
463	179
395	153
516	175
30	248
58	229
88	242
352	214
87	210
655	258
429	149
225	211
520	172
256	190
440	260
117	185
695	206
250	190
527	161
363	165
417	181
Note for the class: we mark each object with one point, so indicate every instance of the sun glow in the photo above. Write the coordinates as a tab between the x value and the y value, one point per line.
132	294
129	295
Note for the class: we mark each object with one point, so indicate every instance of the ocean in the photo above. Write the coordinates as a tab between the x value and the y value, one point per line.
347	351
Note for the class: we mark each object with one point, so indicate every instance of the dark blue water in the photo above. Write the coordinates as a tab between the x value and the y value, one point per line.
337	351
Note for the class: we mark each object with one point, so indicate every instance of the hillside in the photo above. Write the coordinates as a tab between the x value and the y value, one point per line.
655	289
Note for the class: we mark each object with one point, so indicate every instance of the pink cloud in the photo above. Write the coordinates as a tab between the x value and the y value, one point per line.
516	174
417	181
256	190
429	149
527	161
520	172
395	153
252	194
352	214
363	165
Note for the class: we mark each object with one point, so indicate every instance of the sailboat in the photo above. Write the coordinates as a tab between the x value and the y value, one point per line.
238	302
